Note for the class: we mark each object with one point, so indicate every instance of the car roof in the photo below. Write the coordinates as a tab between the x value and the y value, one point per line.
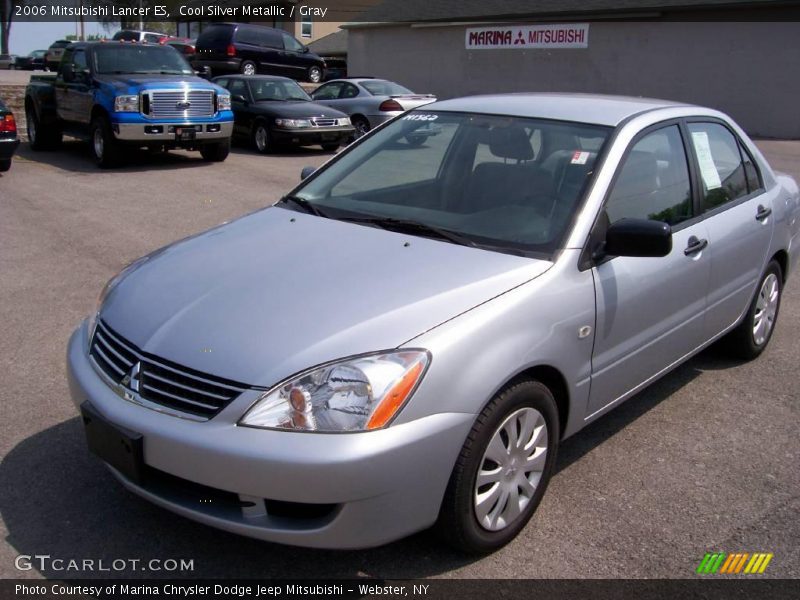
261	77
596	109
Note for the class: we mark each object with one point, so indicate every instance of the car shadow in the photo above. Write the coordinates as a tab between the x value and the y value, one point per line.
281	151
58	500
75	156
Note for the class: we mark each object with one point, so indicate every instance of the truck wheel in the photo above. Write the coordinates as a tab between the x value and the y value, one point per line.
39	138
248	68
5	165
215	152
315	74
104	147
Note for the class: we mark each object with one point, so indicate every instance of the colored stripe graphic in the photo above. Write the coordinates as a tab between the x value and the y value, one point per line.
734	564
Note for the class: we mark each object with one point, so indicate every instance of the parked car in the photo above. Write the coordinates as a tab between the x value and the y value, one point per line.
31	62
407	336
183	45
272	111
116	94
54	53
135	35
369	101
7	61
8	137
252	49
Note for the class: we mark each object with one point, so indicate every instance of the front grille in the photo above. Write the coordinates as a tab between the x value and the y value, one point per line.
160	381
323	122
173	105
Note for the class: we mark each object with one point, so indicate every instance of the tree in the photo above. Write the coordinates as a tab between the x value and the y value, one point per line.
7	10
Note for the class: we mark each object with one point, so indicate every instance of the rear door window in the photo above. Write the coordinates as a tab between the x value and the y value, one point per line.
348	91
720	164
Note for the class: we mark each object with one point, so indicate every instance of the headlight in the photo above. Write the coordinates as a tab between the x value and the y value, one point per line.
224	102
345	121
355	394
127	103
107	288
293	123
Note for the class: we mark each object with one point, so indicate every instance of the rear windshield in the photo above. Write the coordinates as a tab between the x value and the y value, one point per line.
132	60
126	35
217	36
384	88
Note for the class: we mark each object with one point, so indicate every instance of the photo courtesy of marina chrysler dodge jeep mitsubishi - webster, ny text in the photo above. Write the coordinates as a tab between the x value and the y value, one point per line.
404	339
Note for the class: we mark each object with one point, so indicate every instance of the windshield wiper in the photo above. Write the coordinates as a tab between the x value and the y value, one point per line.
412	227
303	204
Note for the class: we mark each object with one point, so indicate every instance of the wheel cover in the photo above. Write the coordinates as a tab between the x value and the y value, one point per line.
98	143
766	309
262	138
511	469
315	75
361	128
249	69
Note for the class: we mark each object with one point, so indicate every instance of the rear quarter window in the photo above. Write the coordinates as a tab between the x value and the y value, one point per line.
215	36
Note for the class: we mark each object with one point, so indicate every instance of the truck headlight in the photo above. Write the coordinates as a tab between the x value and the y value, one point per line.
224	102
354	394
126	103
293	123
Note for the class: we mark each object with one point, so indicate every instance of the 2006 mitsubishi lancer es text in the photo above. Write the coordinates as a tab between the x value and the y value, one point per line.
406	338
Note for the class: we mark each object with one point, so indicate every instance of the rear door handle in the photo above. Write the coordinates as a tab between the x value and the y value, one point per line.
763	213
695	246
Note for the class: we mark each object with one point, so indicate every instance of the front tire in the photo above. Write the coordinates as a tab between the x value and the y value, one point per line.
752	335
330	147
105	148
262	140
215	152
503	469
314	75
361	125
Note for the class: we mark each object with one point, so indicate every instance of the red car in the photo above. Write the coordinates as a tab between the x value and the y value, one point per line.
8	137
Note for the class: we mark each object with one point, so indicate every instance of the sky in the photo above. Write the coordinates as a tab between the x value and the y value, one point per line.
28	36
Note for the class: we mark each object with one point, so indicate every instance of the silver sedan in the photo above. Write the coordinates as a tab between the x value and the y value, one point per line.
369	102
405	339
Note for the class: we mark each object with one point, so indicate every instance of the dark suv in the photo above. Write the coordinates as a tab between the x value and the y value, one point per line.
251	49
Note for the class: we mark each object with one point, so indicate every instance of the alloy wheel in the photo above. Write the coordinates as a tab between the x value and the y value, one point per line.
766	309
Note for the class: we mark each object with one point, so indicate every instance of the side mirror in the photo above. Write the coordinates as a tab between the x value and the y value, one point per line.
638	237
68	73
306	50
306	172
204	72
239	98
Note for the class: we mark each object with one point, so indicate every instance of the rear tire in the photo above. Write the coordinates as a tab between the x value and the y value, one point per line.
5	165
105	148
248	67
215	152
512	446
752	335
39	138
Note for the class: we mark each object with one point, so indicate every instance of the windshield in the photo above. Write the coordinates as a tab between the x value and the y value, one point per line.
277	90
504	183
125	59
38	53
379	87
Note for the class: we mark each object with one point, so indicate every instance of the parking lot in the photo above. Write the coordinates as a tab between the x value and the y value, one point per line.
704	460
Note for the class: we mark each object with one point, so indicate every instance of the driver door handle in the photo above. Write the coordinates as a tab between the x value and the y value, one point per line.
695	246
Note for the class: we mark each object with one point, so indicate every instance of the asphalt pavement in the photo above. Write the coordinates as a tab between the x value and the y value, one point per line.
704	460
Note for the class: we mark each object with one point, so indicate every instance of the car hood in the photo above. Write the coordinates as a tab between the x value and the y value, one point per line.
300	109
134	83
279	291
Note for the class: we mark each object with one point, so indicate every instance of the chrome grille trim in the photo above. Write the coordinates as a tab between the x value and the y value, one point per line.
163	104
320	122
161	383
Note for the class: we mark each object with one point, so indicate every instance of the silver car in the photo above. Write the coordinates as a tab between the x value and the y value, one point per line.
405	338
370	102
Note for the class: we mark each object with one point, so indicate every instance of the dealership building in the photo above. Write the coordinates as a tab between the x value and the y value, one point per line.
740	57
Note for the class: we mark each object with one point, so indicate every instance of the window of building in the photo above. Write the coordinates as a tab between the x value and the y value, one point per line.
306	26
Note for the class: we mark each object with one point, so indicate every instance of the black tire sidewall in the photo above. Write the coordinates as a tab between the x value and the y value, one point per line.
467	534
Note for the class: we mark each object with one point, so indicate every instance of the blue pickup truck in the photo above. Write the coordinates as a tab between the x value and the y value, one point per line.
122	94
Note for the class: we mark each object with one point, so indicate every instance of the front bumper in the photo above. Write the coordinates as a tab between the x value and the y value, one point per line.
165	132
381	485
308	136
8	147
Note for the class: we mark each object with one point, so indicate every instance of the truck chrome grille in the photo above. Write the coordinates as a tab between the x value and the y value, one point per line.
160	381
179	104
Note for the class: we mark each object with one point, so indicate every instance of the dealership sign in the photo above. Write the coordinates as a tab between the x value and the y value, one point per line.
523	37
